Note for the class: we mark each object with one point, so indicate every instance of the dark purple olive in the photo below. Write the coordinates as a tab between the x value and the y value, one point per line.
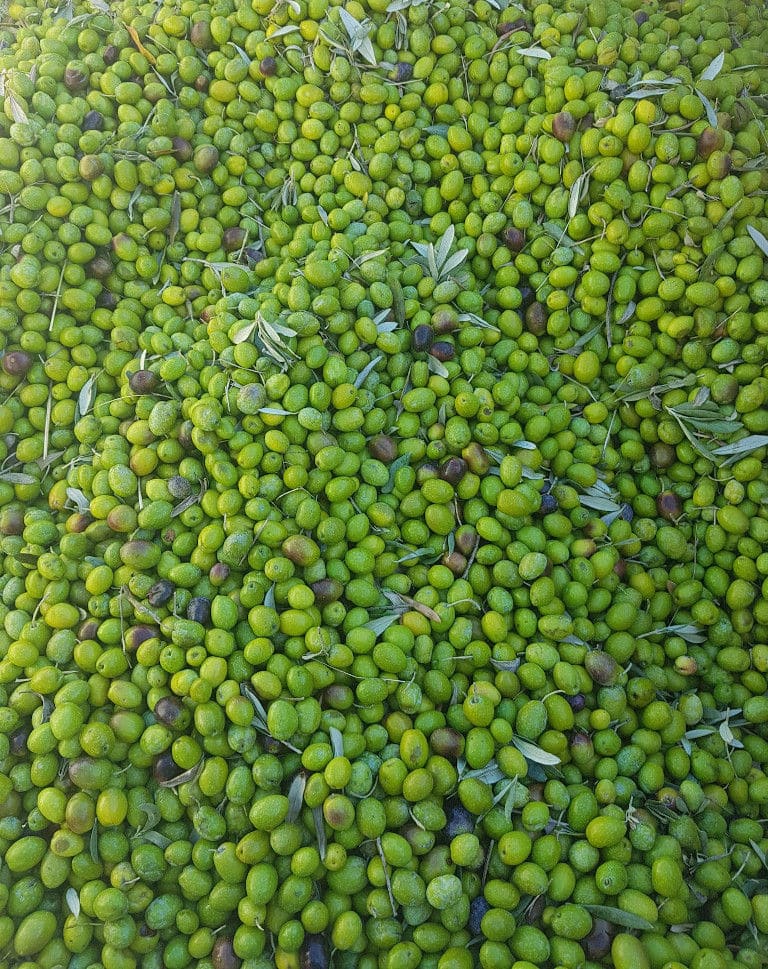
536	318
165	768
548	504
535	908
219	573
477	909
74	79
199	610
507	27
577	702
514	239
93	121
314	953
160	593
383	448
106	300
447	742
443	351
170	711
402	71
459	821
87	630
327	591
477	458
641	17
669	505
16	363
185	434
100	266
11	521
137	635
466	539
111	54
563	126
17	742
253	255
527	295
598	942
268	66
602	667
179	486
233	238
201	83
444	321
143	381
182	149
453	470
223	954
662	455
422	337
425	472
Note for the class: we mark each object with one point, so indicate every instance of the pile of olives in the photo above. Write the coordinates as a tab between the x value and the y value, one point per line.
383	484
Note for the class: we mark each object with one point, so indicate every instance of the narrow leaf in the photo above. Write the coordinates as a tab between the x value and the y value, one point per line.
241	52
444	244
367	369
73	901
381	623
269	598
296	796
454	262
577	190
93	842
648	92
534	753
276	411
537	52
244	333
139	46
617	916
711	113
714	67
337	741
17	112
759	239
86	396
398	463
322	840
183	778
437	366
17	478
157	839
175	222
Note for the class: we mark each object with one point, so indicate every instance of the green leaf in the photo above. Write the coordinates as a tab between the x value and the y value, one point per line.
617	916
536	754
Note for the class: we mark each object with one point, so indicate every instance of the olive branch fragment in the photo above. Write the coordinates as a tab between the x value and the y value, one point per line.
269	336
436	257
260	717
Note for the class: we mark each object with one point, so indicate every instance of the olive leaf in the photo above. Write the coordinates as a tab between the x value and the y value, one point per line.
246	59
93	842
17	112
477	320
322	840
17	478
296	796
175	222
714	67
506	665
737	449
398	463
437	367
760	853
76	496
276	411
359	40
156	839
381	623
537	52
646	92
617	916
188	775
533	753
711	113
436	257
73	901
686	631
269	597
759	239
578	190
337	741
153	817
367	369
86	396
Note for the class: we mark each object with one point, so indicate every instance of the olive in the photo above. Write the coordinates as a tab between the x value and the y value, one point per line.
477	909
662	455
383	448
536	318
453	470
143	381
100	267
199	610
669	505
16	363
422	337
563	126
165	768
460	821
182	149
171	711
314	953
200	35
233	238
223	954
160	593
601	666
514	238
326	591
268	66
110	55
74	78
402	71
443	351
93	121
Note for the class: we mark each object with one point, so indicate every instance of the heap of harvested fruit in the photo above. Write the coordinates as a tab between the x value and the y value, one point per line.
383	484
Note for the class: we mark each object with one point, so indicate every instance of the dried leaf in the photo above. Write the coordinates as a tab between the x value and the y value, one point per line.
296	796
139	46
73	901
714	67
617	916
536	754
420	607
759	239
